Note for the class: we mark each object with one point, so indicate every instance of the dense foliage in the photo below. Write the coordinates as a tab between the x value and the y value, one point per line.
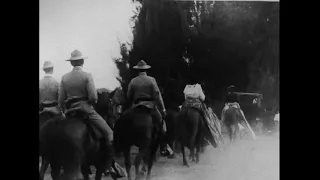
216	43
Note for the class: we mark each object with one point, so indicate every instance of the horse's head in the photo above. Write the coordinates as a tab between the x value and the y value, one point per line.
119	96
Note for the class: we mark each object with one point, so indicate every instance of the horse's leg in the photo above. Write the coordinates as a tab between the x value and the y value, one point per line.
55	171
99	172
237	133
85	172
141	154
44	167
144	166
192	148
185	162
127	161
72	170
173	154
197	152
192	154
152	155
230	133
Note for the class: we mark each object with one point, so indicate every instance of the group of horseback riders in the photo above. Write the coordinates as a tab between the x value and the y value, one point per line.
77	90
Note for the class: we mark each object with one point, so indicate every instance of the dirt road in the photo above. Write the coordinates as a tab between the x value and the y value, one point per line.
244	160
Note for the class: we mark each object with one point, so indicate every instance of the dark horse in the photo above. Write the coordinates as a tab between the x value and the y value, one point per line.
171	124
45	114
104	106
232	119
73	144
107	104
190	134
135	127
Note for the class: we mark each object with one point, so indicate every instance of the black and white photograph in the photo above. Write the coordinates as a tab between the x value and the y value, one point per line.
159	90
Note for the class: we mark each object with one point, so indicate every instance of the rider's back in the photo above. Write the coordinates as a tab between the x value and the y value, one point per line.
49	88
76	84
143	87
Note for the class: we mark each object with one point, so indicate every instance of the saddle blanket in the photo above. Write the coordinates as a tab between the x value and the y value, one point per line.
244	120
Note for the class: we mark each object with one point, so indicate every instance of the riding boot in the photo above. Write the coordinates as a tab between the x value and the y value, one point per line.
165	149
110	163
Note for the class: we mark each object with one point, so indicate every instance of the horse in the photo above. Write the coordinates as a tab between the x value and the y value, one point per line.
104	106
74	144
45	114
189	132
108	104
232	119
135	127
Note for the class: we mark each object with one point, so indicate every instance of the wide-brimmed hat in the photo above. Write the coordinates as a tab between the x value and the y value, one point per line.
47	64
142	65
76	55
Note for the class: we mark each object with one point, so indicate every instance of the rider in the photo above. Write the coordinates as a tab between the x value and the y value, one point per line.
80	84
49	89
145	88
194	97
232	100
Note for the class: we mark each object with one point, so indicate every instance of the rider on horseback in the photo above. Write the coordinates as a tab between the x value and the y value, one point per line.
233	101
80	85
194	97
48	90
145	88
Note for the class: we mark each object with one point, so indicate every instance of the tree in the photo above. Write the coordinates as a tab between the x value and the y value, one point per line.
218	43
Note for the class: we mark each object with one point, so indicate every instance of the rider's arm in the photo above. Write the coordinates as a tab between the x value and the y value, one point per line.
158	96
62	95
92	92
201	94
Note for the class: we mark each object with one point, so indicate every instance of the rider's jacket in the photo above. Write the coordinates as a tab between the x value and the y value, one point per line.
48	89
145	87
78	84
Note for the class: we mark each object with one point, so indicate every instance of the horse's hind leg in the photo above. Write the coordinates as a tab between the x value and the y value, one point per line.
197	152
144	165
71	171
55	171
152	156
230	133
99	173
237	133
127	162
192	154
141	154
85	172
185	162
44	167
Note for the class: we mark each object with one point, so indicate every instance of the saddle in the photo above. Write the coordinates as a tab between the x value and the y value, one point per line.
48	107
192	103
145	102
81	109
